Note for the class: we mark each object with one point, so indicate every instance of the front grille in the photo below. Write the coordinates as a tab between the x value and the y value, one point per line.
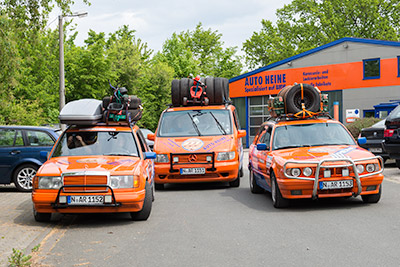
83	180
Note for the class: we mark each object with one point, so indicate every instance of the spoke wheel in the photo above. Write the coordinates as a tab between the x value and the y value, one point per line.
277	199
254	187
23	176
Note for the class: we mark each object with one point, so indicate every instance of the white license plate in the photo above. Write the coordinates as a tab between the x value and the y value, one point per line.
188	171
85	200
375	150
336	184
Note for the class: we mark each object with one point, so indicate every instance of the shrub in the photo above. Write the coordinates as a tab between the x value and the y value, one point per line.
355	127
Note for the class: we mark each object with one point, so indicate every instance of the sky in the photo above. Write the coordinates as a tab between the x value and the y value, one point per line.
156	21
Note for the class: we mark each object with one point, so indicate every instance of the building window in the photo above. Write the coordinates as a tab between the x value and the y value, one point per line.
372	68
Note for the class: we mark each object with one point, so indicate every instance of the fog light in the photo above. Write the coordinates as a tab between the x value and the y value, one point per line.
62	199
345	172
296	192
176	159
371	188
327	173
107	199
209	158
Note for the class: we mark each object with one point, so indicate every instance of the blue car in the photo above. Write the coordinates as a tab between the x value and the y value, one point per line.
23	149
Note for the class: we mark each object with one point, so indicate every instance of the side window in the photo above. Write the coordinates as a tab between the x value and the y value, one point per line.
19	140
7	137
261	137
372	68
38	138
267	136
235	117
143	144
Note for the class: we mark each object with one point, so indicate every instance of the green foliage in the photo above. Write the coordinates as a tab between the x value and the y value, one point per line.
36	248
356	127
19	259
306	24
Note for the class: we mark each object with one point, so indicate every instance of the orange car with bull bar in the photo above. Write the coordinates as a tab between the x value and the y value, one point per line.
302	153
201	140
96	166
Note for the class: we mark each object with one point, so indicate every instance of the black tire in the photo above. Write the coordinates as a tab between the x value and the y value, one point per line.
134	101
225	86
373	198
144	214
184	87
175	93
153	193
218	91
254	187
23	176
398	163
210	90
159	186
106	101
236	182
41	217
277	199
241	172
312	101
135	114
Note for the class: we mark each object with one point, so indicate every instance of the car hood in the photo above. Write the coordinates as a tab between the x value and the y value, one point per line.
113	164
318	153
193	144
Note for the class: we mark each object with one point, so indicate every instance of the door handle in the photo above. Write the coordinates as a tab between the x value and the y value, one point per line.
15	152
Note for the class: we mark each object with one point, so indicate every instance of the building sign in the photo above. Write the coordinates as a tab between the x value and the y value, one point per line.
326	78
352	115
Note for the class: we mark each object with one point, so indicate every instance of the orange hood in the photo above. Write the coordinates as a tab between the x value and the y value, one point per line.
116	165
194	144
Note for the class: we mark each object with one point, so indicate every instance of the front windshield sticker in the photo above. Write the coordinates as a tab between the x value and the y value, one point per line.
216	143
192	144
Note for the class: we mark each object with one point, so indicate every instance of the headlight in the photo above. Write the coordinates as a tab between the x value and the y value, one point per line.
123	181
295	172
49	182
360	168
307	171
226	156
370	167
162	158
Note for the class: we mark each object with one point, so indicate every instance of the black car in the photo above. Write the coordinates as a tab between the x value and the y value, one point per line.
374	135
391	144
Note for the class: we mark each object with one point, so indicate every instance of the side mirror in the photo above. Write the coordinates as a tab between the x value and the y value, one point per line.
241	133
44	154
151	136
362	140
150	155
262	147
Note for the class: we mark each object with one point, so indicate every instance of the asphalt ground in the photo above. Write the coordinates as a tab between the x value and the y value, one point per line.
19	230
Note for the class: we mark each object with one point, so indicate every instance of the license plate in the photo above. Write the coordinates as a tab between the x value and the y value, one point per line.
85	200
188	171
375	150
336	184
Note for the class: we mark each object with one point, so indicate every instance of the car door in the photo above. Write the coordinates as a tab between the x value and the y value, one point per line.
37	141
148	163
263	158
11	147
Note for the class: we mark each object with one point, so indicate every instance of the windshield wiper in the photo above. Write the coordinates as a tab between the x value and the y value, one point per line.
194	125
219	124
119	154
284	147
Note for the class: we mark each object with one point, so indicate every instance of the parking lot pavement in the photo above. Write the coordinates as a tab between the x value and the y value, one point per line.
18	228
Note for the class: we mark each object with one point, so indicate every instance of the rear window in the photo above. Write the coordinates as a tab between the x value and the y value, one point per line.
395	114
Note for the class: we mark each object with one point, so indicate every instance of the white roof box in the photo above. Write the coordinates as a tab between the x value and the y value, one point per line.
82	112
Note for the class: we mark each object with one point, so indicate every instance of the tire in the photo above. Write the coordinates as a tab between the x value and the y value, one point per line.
236	182
254	187
277	199
153	193
134	101
210	90
144	214
225	86
106	101
159	186
241	172
175	93
135	114
184	87
373	198
398	163
23	176
312	101
218	91
41	217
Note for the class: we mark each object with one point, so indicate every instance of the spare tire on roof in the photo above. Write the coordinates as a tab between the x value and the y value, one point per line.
219	92
175	93
293	98
210	89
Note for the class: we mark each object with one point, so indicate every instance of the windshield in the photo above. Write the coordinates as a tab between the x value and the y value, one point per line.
305	135
87	143
195	123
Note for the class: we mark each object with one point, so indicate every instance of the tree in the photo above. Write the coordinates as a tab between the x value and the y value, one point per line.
306	24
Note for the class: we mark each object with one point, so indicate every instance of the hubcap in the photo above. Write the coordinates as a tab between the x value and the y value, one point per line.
273	190
251	179
24	178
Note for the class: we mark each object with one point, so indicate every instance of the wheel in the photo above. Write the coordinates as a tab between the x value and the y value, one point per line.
184	87
159	186
311	98
236	182
23	176
175	93
254	187
241	172
41	217
106	101
218	91
373	198
153	193
398	163
146	210
277	199
210	89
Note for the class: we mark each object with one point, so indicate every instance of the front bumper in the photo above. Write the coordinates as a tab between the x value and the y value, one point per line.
309	185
